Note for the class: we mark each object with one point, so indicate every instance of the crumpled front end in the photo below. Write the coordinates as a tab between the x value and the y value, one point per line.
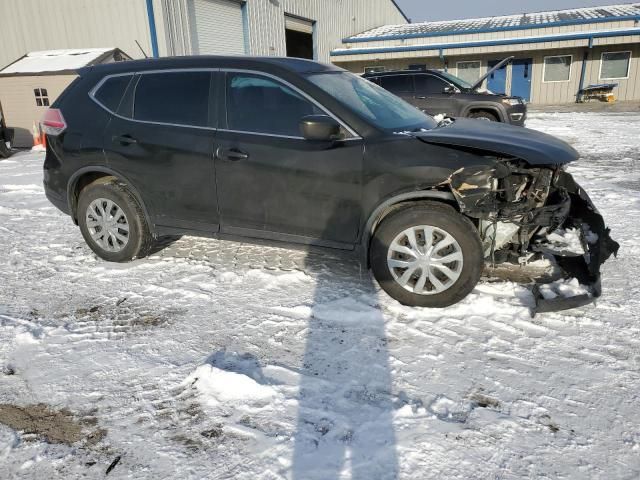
526	214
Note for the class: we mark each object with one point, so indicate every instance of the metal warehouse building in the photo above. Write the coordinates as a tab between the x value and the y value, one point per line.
306	28
556	53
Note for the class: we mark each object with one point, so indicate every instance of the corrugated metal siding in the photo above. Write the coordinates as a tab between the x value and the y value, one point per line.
334	20
29	25
19	104
218	28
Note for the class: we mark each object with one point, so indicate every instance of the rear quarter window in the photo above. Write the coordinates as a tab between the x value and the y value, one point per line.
111	91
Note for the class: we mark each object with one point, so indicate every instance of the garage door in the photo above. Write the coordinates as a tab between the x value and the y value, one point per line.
219	28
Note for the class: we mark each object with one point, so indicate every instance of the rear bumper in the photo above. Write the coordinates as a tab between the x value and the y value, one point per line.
57	200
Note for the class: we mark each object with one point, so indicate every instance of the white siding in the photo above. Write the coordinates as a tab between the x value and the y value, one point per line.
218	28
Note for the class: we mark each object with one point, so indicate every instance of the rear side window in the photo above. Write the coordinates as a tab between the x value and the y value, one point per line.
397	83
180	98
111	91
262	105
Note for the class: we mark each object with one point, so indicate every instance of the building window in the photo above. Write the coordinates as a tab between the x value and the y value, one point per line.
469	71
42	97
373	69
615	65
557	69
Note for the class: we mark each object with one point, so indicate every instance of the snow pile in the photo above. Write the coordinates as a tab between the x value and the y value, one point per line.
218	386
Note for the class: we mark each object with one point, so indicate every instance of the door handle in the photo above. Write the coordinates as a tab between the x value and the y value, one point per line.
232	154
124	139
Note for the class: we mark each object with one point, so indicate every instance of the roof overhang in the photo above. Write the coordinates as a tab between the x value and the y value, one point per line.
488	43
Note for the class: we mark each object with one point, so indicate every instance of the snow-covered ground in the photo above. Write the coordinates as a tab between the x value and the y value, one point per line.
215	359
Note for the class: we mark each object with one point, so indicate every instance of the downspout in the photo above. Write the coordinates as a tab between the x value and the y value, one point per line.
443	60
152	29
583	73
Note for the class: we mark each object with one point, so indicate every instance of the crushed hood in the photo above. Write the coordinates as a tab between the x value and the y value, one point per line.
536	148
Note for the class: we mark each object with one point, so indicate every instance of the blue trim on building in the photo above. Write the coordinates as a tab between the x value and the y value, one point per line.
487	43
562	23
245	27
152	29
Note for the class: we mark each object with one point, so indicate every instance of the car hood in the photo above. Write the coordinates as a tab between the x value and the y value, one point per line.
536	148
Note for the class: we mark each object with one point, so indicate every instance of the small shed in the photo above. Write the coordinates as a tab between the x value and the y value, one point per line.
33	82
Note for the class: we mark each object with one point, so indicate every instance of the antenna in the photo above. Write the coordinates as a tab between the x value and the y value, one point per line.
141	49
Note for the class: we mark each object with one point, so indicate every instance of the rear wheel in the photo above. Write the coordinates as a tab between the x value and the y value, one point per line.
483	115
427	255
112	222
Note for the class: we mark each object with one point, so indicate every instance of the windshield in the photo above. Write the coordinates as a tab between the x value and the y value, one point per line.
457	81
374	103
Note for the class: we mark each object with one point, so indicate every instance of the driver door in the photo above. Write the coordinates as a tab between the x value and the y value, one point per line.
272	183
431	97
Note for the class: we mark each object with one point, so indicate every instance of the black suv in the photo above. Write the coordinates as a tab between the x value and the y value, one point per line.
296	151
436	92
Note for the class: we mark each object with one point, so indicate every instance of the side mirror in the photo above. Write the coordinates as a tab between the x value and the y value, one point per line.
449	89
319	127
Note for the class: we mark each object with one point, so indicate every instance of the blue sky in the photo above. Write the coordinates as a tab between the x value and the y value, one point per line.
430	10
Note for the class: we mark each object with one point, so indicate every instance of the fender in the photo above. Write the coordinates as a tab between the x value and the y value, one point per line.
378	213
71	186
489	106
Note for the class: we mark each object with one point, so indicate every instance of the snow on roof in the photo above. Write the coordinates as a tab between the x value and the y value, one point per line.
524	20
56	60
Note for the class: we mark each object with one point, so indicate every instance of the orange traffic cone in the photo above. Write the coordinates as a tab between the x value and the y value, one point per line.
38	143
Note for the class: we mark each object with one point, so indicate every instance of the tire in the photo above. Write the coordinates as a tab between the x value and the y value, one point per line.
113	248
484	115
443	223
5	150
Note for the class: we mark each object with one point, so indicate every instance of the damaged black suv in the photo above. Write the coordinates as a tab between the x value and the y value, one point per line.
295	151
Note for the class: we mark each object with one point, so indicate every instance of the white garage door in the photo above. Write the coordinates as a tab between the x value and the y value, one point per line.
219	28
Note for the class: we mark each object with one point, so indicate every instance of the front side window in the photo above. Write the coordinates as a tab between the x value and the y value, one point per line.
111	91
42	97
429	85
179	98
615	65
557	69
397	83
469	71
262	105
371	102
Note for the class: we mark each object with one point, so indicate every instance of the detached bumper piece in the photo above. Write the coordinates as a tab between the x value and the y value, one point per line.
598	246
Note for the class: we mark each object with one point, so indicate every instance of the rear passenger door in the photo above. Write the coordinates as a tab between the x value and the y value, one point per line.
161	140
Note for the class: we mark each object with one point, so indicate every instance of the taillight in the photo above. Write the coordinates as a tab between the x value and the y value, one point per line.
52	122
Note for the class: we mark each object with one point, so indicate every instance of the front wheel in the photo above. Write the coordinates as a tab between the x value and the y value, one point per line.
427	255
482	115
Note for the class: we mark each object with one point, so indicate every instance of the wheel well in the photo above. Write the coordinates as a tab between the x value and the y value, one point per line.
80	183
445	198
490	111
